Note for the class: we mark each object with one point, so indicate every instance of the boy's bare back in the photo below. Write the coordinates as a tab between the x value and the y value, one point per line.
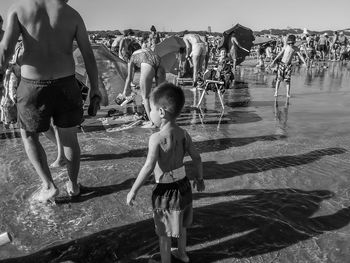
172	148
288	54
48	28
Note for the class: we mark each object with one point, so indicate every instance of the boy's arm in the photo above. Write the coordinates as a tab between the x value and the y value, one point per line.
147	168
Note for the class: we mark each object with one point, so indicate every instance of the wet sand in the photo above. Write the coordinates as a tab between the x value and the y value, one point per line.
277	179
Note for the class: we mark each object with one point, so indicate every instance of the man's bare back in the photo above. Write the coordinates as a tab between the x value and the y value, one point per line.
48	29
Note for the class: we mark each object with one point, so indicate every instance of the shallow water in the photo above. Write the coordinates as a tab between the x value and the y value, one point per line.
276	173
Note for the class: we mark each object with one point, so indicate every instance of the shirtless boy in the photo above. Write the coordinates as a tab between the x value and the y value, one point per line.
48	88
284	71
196	49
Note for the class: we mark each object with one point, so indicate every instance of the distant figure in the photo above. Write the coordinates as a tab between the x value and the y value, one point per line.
2	71
195	49
234	47
153	38
284	70
323	45
48	88
124	44
172	195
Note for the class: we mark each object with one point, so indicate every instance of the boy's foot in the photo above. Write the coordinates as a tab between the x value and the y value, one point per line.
58	163
288	95
275	95
72	191
43	195
148	125
178	256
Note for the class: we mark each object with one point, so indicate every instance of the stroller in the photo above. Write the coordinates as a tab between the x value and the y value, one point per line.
217	80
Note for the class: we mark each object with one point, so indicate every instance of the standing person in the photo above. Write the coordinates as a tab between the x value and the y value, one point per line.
323	44
2	71
195	49
48	88
284	70
234	47
172	195
154	38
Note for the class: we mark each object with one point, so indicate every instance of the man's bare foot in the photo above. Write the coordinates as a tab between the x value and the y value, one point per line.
43	195
288	95
58	163
72	190
182	257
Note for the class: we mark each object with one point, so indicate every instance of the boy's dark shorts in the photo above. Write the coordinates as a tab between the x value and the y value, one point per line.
40	100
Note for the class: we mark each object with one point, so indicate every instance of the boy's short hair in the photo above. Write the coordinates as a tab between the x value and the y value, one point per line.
291	39
169	97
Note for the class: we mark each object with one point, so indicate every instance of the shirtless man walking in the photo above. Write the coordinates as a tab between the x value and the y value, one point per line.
284	71
48	88
196	49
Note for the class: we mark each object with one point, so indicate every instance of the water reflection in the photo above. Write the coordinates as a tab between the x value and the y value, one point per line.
281	116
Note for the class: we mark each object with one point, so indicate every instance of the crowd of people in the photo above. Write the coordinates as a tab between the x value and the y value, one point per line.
48	100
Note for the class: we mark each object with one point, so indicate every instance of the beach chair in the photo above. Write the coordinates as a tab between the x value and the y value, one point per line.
218	82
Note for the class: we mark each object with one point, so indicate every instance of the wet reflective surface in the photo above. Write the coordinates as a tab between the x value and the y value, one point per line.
277	175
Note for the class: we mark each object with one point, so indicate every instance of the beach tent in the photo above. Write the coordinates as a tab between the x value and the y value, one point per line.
112	72
244	36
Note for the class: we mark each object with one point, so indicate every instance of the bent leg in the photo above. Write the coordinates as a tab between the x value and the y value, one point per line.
146	78
69	140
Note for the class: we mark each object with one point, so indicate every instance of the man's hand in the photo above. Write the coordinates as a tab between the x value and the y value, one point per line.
130	198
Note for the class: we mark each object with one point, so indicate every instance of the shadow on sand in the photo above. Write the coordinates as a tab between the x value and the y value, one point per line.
201	146
212	170
262	221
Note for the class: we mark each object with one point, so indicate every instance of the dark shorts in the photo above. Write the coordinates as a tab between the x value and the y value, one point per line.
323	48
172	207
40	100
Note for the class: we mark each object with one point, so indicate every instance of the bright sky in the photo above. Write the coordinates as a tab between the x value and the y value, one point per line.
178	15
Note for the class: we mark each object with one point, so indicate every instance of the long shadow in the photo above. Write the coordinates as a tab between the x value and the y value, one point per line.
213	170
87	193
262	221
201	146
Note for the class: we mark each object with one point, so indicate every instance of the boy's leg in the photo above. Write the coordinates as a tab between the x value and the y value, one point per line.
181	245
278	82
37	157
71	148
165	249
288	89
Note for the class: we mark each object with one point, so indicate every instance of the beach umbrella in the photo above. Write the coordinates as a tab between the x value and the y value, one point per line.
168	50
244	36
112	72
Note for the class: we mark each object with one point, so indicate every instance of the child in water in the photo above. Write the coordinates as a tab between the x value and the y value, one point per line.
284	70
172	195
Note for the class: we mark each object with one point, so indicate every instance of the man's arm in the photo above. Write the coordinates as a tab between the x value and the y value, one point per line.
8	43
235	41
89	59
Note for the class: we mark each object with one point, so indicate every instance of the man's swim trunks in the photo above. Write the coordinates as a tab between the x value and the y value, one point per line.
284	72
40	100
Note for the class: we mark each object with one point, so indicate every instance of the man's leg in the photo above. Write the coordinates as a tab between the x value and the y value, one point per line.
71	149
37	157
195	61
146	79
53	136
